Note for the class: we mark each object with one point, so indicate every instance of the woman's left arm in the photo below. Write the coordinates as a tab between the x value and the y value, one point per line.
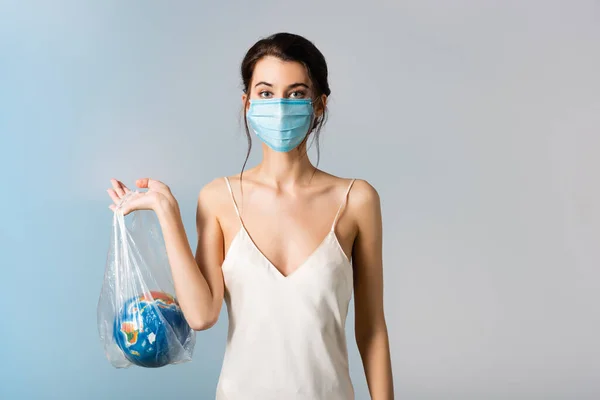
370	326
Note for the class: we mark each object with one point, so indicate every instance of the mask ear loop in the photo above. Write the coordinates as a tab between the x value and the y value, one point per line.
315	122
313	125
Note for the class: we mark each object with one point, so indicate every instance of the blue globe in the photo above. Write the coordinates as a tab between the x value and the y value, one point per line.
142	335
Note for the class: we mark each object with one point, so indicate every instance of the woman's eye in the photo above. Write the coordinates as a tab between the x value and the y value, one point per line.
265	94
297	94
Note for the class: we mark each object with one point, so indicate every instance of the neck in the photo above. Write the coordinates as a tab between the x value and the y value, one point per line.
285	169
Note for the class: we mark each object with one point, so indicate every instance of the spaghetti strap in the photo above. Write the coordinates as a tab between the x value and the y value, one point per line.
237	211
342	205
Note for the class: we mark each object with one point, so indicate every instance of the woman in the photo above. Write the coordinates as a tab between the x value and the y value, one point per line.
284	244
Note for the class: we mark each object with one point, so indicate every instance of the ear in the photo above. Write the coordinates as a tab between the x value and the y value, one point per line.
246	106
319	111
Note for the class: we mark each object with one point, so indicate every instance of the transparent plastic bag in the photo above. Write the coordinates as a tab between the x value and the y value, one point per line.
139	320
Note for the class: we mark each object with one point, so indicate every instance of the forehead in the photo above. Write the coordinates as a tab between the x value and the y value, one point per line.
278	72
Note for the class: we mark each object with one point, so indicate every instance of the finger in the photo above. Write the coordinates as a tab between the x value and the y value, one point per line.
138	204
113	195
154	185
122	209
115	208
117	186
142	183
124	187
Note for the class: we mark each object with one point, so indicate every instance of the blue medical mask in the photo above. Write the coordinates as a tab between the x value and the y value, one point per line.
282	124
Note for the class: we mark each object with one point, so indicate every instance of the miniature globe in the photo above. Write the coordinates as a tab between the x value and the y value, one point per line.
151	329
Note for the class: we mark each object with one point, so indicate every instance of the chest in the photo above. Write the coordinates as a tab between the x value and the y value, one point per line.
287	232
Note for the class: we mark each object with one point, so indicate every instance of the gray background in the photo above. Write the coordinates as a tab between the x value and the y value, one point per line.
477	121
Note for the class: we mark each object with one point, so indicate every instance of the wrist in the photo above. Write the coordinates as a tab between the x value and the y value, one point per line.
166	206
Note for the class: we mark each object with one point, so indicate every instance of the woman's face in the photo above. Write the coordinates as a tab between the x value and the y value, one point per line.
274	78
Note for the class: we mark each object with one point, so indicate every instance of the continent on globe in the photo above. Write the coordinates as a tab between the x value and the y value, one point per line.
130	331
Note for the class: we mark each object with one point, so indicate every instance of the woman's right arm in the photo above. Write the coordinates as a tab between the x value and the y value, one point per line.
198	280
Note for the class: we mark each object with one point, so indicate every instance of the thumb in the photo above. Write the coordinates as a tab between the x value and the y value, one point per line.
153	184
142	183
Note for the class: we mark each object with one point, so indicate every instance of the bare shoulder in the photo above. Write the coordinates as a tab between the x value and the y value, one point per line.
365	205
213	195
363	195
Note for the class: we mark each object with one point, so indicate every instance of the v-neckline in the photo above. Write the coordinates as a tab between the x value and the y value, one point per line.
302	264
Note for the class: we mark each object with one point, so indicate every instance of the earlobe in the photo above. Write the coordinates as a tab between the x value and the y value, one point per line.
319	111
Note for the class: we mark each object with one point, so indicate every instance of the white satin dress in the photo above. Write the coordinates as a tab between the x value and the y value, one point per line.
286	337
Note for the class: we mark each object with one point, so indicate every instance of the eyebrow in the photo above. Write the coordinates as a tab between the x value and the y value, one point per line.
293	85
